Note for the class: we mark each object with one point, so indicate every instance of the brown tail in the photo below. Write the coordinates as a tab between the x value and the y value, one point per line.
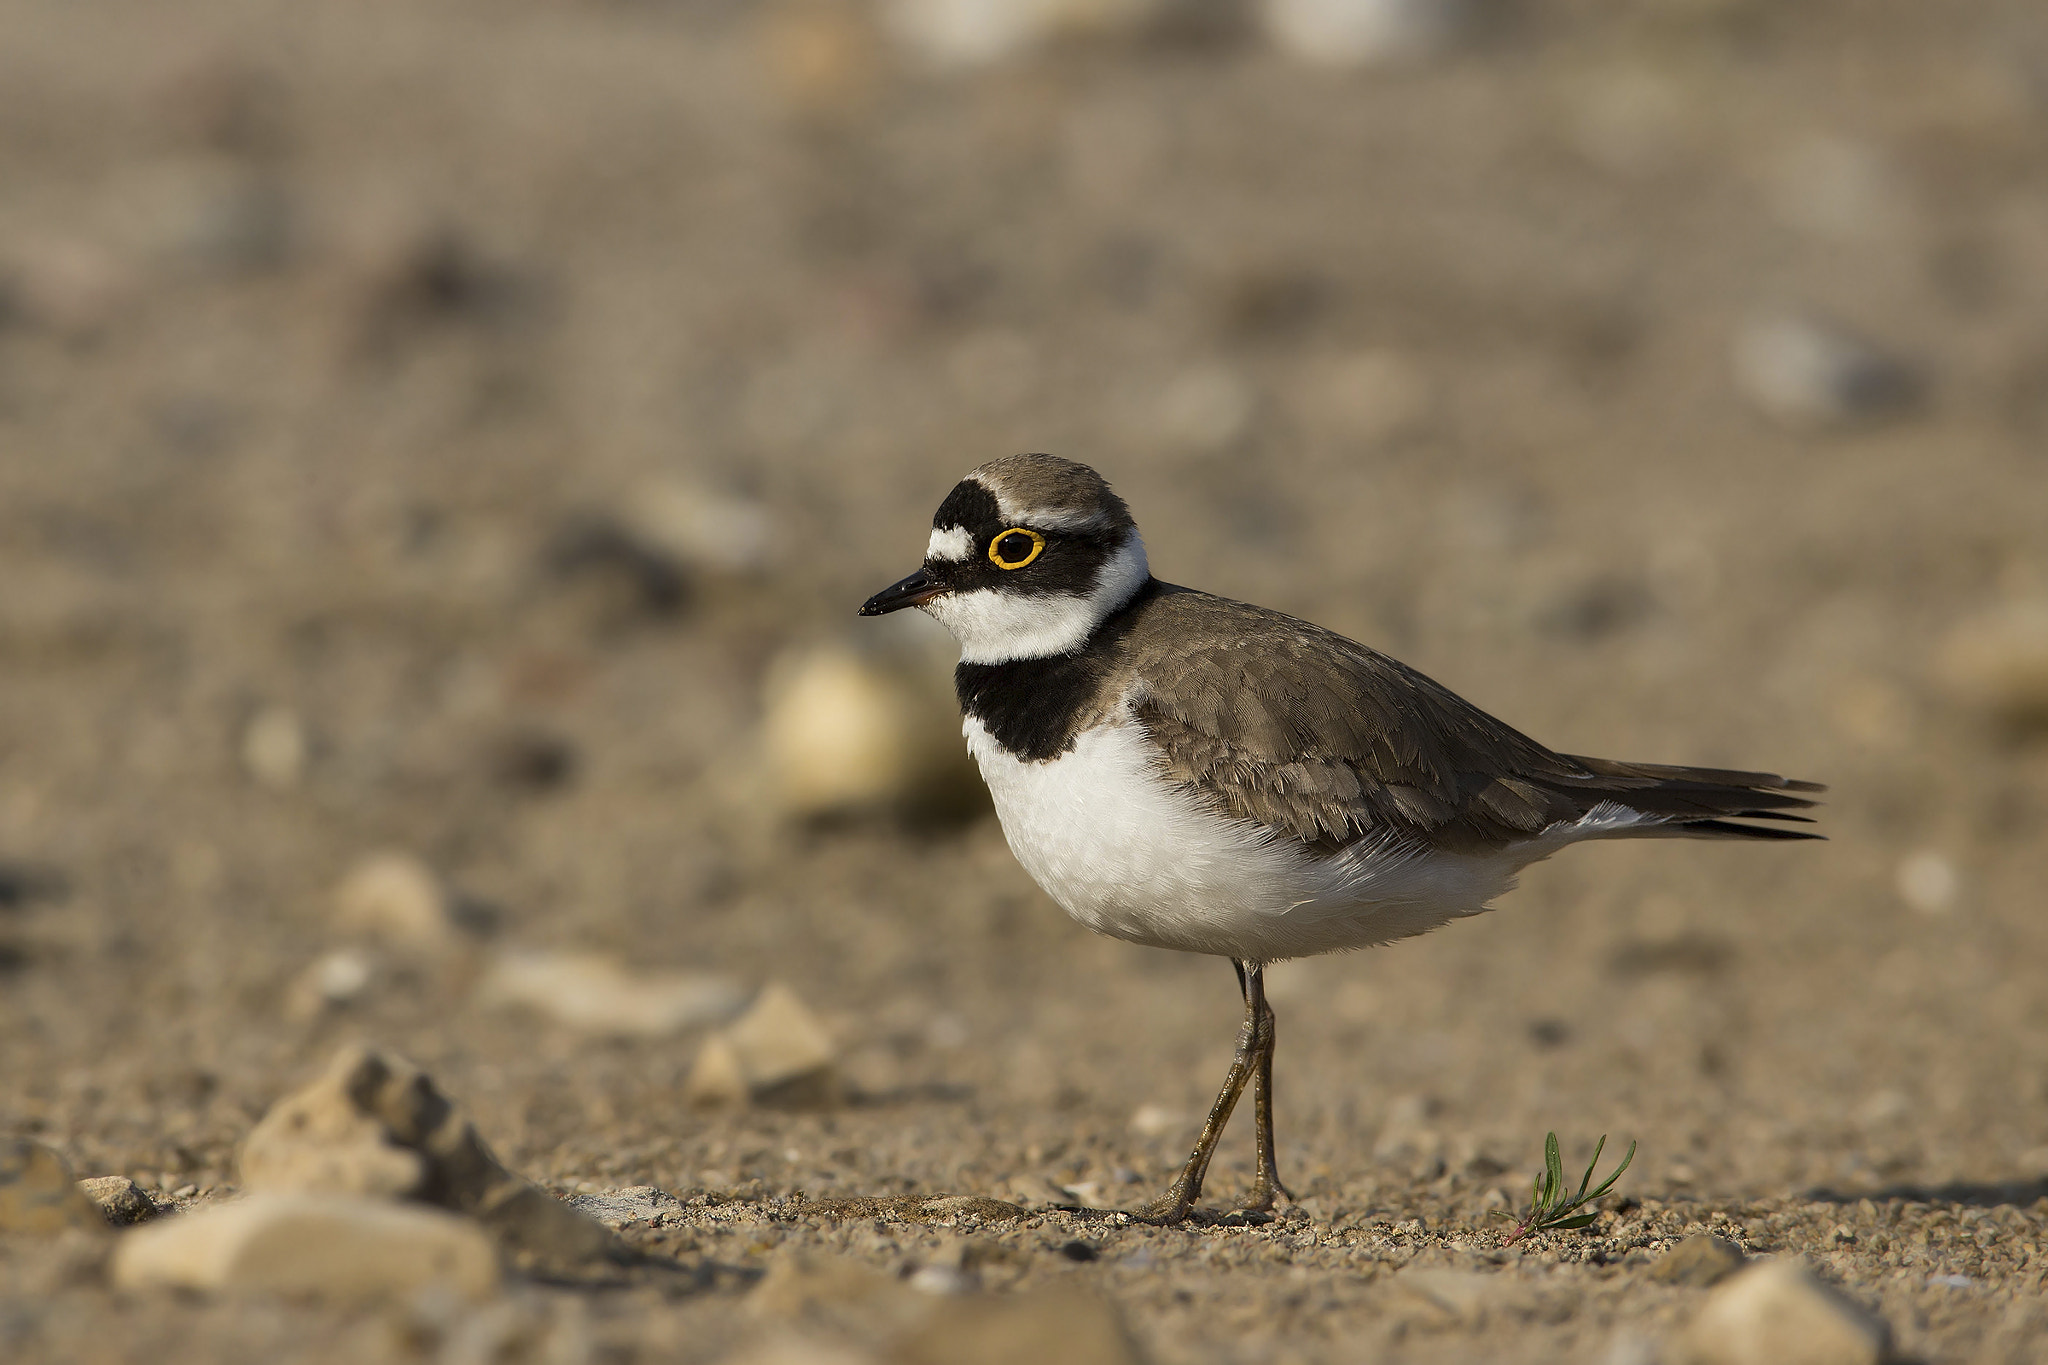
1702	803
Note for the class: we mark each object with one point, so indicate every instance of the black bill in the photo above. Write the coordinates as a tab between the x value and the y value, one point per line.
913	591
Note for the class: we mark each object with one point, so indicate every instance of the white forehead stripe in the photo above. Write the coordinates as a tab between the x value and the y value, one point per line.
1014	513
951	544
995	627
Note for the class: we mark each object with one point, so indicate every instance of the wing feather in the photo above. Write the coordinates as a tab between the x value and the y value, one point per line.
1325	740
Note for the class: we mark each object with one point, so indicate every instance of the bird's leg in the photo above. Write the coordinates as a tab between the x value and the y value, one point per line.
1186	1188
1251	977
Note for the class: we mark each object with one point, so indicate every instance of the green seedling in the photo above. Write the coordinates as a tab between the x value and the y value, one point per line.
1552	1205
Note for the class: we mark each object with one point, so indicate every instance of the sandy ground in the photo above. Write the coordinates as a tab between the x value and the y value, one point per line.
340	343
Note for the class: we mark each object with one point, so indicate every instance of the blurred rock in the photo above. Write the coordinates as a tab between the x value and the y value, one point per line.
596	994
375	1125
274	748
67	287
1273	301
1462	1297
1875	713
1777	1313
1207	408
331	1137
624	575
776	1054
26	884
121	1201
1805	372
700	528
1838	188
962	34
1928	882
1366	398
797	1350
75	1258
1060	1322
336	978
994	369
1629	119
1996	664
634	1206
1156	1120
408	275
1699	1261
851	730
1348	33
226	104
396	899
319	1246
821	56
887	1318
836	1296
38	1194
232	219
532	761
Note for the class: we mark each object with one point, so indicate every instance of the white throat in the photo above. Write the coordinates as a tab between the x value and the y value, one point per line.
997	627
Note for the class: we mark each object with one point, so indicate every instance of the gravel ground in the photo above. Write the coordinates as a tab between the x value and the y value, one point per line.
426	428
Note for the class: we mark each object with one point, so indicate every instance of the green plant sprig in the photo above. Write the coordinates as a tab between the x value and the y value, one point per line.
1552	1204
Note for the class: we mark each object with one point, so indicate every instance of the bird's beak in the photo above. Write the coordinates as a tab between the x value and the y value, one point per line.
913	591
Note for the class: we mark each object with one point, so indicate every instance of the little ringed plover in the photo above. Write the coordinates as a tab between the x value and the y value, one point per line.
1185	771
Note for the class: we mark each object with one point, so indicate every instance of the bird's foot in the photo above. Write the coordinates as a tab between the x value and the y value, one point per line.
1168	1209
1266	1192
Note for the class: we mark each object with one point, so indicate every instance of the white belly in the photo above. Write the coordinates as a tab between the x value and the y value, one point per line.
1132	856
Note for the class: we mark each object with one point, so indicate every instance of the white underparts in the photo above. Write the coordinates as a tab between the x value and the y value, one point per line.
994	626
1131	855
951	545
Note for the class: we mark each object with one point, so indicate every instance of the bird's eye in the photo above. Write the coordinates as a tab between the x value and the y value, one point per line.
1015	548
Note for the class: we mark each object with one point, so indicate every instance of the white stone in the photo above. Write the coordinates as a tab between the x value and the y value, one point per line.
335	978
1806	372
1156	1120
699	527
320	1246
957	35
396	898
274	747
1777	1313
594	993
777	1052
1928	881
850	730
1348	33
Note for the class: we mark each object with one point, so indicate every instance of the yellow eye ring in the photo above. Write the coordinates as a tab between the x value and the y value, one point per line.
996	553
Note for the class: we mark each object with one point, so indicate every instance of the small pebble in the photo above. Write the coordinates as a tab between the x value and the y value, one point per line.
597	994
1809	373
320	1246
777	1053
274	748
1356	33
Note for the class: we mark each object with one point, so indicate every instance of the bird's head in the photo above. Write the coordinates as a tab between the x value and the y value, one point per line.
1028	555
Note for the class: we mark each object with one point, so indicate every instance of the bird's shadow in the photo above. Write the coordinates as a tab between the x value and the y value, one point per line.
1961	1193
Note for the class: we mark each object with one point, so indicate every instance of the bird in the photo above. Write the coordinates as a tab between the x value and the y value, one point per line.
1184	771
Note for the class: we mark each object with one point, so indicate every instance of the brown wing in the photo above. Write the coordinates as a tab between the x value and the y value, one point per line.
1316	736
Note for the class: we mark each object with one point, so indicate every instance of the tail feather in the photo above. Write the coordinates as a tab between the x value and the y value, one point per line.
1728	829
1701	803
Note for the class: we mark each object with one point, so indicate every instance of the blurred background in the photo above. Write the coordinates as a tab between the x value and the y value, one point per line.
442	448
